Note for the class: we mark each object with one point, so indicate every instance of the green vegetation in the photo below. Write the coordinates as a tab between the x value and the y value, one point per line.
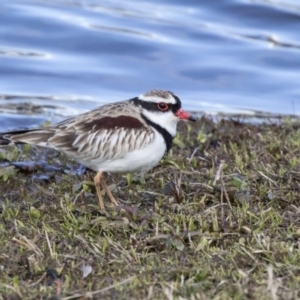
218	219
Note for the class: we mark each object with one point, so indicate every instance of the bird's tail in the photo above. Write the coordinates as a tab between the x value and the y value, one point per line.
29	136
3	141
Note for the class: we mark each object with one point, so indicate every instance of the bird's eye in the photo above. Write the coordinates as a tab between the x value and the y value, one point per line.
163	106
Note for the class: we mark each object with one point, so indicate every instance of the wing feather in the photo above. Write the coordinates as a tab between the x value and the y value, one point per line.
107	133
102	145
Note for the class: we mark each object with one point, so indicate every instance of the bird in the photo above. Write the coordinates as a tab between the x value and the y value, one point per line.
129	136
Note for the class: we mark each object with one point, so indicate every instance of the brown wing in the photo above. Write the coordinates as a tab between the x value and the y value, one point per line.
108	132
102	139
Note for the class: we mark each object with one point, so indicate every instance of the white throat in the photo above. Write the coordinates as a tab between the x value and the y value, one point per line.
166	120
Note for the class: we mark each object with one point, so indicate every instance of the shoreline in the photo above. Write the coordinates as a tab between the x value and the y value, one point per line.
218	218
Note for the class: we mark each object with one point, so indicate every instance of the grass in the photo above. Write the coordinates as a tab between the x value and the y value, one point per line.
219	218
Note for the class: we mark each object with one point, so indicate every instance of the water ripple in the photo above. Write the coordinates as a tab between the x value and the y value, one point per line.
62	57
23	53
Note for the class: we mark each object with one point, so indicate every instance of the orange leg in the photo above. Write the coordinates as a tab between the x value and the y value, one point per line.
108	192
97	182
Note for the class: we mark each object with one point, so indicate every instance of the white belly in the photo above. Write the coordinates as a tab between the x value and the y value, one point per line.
139	161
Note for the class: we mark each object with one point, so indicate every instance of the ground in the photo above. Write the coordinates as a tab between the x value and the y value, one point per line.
219	218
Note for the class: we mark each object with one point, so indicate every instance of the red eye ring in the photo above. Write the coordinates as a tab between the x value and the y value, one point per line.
162	106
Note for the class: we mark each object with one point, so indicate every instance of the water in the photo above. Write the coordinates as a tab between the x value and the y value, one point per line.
60	58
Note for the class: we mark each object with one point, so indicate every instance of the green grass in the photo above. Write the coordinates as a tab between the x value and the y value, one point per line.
219	218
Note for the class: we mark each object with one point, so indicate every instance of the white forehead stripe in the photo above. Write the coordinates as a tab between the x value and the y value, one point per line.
157	96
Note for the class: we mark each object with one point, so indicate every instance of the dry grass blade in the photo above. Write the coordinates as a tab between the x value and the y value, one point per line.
89	294
30	245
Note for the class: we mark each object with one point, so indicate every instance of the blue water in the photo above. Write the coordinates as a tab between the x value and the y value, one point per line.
60	58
